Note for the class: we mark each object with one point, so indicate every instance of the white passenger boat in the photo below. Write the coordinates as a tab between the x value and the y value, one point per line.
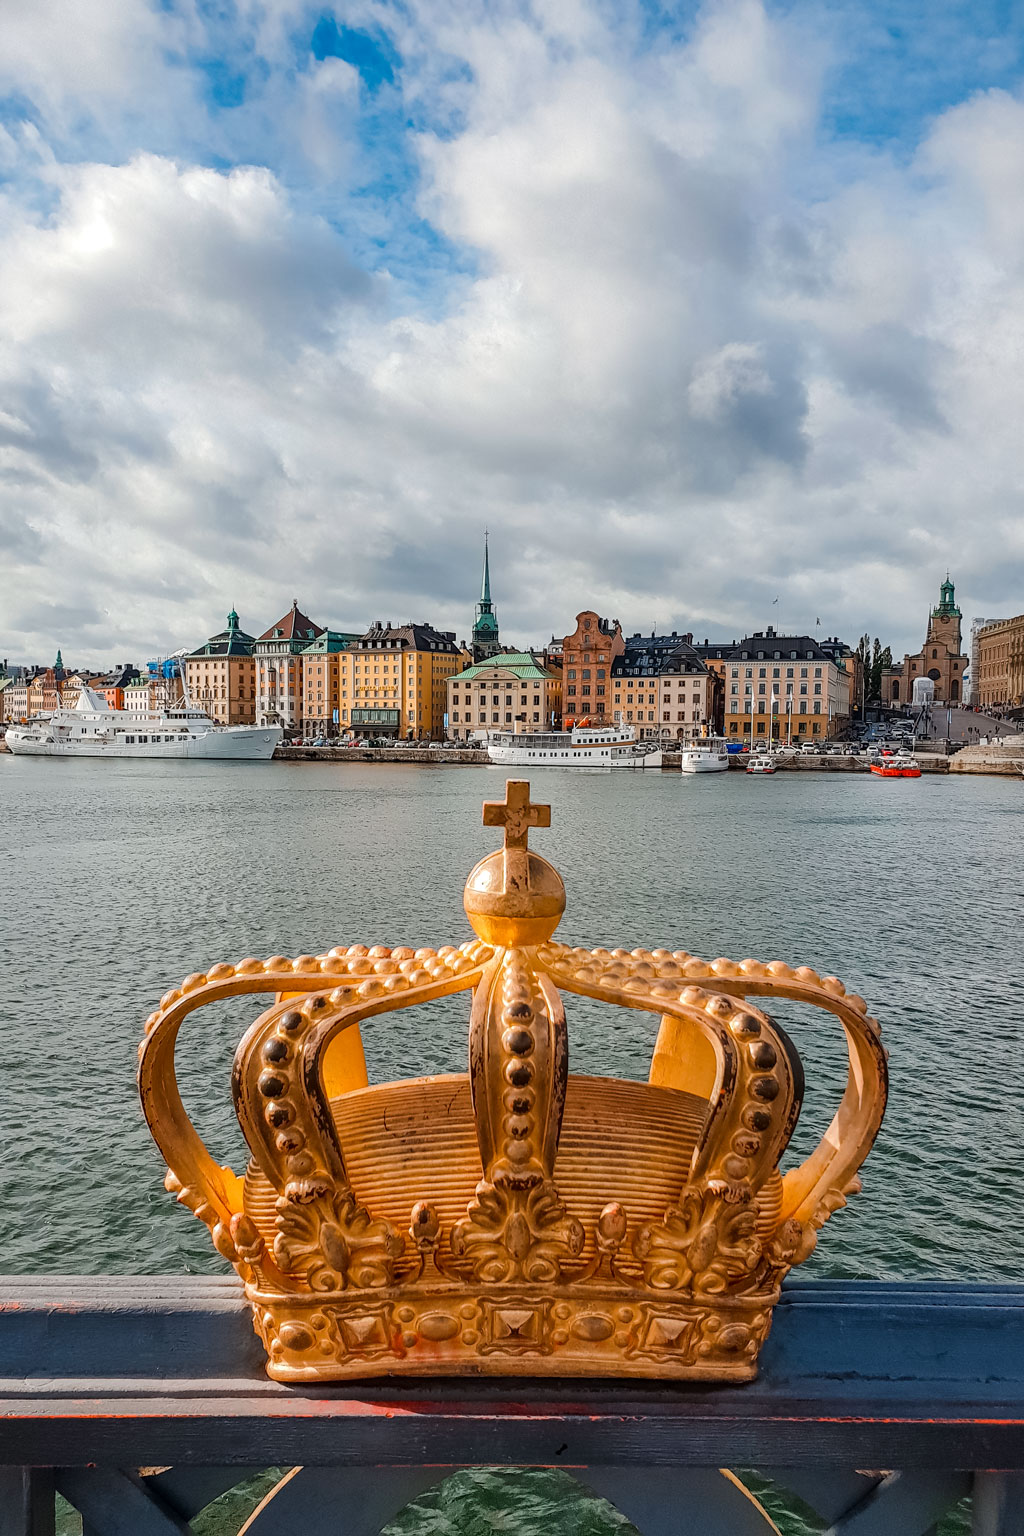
93	729
705	755
613	746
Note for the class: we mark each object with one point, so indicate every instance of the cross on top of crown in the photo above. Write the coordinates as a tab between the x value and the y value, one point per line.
516	813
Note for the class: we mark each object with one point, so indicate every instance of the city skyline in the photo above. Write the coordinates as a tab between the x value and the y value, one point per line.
704	312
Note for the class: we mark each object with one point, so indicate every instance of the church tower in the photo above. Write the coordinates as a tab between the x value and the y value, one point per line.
944	621
485	625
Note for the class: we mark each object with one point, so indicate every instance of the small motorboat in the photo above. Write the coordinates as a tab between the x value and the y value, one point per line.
761	764
896	768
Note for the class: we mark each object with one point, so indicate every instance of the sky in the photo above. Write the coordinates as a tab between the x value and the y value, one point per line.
713	314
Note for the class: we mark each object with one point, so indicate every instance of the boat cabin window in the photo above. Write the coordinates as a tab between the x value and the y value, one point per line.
130	740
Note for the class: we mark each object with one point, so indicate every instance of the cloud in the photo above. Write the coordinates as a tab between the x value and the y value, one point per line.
622	299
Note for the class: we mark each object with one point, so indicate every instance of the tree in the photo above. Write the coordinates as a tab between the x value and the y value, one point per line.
873	658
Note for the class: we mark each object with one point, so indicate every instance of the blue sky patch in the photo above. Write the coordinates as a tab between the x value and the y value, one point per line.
372	56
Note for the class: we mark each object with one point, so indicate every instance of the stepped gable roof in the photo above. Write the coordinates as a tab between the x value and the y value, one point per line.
407	637
522	664
657	655
230	642
295	626
763	647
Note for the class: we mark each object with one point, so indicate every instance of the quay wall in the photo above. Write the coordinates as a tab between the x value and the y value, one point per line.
422	755
1006	756
1004	759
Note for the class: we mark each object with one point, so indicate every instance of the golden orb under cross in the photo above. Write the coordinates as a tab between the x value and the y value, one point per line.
513	896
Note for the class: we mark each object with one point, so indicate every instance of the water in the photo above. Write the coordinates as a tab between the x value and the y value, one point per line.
120	878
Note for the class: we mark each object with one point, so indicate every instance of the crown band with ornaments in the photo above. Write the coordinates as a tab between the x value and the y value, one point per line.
515	1220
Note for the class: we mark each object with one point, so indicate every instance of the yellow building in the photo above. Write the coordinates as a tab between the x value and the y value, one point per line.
509	692
785	688
393	681
999	683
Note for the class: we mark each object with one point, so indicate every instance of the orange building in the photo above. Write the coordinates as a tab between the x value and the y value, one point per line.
587	656
662	687
322	672
221	676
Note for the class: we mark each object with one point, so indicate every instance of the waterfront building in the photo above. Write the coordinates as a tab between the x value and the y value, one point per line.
941	658
109	685
782	686
662	687
511	692
278	668
998	674
587	657
221	676
71	686
16	695
322	673
486	641
45	688
161	686
393	680
849	661
715	657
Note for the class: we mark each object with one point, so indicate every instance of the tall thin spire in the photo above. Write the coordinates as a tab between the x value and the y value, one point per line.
485	590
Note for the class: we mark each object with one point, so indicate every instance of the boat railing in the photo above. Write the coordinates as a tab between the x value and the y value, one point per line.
880	1407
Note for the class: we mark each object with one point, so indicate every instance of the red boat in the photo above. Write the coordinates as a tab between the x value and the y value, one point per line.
893	768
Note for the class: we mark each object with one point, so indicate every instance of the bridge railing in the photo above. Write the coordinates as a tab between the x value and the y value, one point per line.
142	1399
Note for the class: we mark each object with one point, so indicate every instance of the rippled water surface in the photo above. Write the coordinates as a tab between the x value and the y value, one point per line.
121	878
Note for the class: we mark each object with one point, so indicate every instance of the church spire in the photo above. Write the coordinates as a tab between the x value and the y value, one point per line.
485	590
485	626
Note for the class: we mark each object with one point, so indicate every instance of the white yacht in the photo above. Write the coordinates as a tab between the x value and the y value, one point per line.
704	755
93	729
613	746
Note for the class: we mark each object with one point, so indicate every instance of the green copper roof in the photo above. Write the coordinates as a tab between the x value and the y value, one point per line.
519	663
947	596
330	640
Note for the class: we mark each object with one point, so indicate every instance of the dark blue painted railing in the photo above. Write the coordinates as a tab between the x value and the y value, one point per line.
877	1405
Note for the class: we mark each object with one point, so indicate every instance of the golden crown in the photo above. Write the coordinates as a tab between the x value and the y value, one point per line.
515	1220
